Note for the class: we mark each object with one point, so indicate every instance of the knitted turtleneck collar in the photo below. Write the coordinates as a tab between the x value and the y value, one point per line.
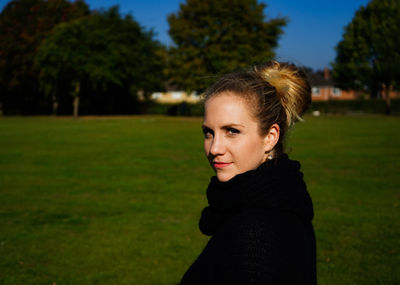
275	185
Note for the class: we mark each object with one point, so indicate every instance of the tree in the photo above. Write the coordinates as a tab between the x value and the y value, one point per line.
218	36
368	56
97	53
23	25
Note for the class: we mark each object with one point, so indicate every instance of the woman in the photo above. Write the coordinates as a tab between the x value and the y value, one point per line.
259	214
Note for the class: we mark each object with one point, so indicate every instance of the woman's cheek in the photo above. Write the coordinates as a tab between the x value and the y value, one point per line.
206	146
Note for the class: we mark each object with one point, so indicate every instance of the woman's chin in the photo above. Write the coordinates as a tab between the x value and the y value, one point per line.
224	177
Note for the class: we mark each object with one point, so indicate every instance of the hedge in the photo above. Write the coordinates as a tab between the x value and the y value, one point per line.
373	106
180	109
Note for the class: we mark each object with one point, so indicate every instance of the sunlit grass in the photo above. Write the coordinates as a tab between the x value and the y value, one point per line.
117	200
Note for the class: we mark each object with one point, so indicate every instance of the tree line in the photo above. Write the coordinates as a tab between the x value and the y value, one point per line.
60	57
368	56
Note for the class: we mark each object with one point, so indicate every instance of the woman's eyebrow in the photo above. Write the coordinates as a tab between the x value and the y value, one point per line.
223	127
232	125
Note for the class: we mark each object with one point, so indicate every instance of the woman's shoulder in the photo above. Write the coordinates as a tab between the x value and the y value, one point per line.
264	245
264	220
260	228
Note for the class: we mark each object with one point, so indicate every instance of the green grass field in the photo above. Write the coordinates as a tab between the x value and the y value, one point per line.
117	200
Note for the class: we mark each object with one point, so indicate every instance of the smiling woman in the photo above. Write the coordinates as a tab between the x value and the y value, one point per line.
232	141
259	214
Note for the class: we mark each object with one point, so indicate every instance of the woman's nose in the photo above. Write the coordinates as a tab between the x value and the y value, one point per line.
217	146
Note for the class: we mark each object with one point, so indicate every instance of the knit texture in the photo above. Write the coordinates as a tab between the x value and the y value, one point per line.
260	228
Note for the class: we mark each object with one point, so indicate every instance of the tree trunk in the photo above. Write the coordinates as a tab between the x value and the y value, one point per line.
55	105
76	99
388	90
76	106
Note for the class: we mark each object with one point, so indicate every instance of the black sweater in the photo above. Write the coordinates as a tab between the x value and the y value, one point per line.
260	227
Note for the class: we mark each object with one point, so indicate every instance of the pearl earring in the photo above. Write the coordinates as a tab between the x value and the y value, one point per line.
270	157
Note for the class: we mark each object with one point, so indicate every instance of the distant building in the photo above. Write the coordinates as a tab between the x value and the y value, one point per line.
175	97
323	88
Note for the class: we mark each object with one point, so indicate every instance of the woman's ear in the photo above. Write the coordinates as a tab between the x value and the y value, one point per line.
272	137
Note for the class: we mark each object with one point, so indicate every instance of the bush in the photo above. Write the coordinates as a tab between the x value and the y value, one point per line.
179	109
373	106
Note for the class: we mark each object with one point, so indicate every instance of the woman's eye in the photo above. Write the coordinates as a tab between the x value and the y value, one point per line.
207	133
233	131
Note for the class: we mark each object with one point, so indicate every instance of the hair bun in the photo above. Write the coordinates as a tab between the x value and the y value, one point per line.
274	78
291	87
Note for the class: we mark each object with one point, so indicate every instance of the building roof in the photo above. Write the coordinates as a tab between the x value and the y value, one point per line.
320	78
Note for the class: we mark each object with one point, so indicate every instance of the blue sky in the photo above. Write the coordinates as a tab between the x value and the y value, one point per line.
314	29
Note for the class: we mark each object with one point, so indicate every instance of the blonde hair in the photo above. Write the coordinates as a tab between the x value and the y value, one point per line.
278	93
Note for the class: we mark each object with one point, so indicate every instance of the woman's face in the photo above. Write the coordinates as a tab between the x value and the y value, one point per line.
232	141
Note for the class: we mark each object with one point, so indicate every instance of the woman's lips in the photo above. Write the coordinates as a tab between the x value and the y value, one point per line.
221	164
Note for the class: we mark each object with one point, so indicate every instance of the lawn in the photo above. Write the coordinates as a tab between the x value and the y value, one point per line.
117	200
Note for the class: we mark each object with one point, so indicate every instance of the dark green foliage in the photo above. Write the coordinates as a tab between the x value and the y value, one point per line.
213	37
368	57
372	106
103	54
52	49
23	25
179	109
